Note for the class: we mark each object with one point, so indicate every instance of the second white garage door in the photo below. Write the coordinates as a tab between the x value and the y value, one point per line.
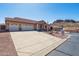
27	27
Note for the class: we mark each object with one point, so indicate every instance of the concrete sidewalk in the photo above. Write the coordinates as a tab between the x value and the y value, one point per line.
34	43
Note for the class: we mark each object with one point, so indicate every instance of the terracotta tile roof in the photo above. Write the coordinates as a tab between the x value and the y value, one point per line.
42	22
17	19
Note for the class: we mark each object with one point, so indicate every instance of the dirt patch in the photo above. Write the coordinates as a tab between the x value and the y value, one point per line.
59	35
6	45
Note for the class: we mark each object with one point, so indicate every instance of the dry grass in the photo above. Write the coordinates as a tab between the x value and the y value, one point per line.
68	26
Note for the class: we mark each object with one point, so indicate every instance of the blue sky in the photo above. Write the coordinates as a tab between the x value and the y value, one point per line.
37	11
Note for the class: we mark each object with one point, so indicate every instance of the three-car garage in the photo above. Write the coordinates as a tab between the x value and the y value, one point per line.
23	27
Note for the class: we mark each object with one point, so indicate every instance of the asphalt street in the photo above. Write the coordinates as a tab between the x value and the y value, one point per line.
68	48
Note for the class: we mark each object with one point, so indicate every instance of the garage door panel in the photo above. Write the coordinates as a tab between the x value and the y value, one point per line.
13	27
27	27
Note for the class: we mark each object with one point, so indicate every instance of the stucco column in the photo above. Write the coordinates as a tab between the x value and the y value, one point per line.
37	27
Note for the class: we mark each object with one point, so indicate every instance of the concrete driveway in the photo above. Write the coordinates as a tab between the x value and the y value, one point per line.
34	43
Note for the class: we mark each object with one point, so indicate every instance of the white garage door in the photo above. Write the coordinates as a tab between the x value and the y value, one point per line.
13	27
27	27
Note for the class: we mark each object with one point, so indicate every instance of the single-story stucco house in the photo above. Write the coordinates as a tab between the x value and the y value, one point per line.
21	24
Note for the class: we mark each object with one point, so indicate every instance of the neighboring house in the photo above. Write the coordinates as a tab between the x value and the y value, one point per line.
2	27
21	24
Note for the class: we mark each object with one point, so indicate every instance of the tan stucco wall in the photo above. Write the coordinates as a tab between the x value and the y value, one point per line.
24	23
19	23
